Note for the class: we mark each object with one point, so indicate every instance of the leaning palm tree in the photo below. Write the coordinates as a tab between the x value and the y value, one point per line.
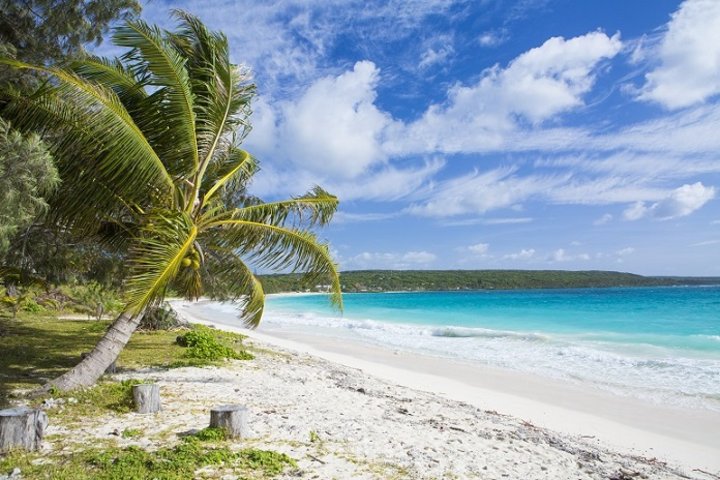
147	147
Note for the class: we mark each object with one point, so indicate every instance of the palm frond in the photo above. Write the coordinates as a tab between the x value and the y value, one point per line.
230	279
222	94
127	86
87	121
237	166
278	248
172	131
316	207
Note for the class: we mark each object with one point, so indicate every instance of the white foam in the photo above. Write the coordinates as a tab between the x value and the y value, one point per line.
649	372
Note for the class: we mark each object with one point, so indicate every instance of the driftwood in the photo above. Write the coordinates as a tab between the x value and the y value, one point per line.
231	418
146	397
22	428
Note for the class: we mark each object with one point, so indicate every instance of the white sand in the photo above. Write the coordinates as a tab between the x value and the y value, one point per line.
380	412
350	411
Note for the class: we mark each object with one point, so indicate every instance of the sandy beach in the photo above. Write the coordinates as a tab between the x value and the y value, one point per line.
376	413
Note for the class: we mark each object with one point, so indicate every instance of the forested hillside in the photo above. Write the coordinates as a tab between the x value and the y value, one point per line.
418	280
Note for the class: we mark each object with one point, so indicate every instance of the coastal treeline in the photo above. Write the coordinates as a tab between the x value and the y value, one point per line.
447	280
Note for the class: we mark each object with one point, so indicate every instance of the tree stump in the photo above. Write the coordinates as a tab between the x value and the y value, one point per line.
146	397
111	369
21	428
232	418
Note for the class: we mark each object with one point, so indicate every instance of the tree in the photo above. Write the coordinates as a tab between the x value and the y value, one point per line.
42	31
148	149
27	176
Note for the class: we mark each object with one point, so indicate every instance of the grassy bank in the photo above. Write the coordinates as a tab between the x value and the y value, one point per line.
36	348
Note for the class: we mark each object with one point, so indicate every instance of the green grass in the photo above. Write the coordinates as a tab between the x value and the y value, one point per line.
181	461
37	348
92	402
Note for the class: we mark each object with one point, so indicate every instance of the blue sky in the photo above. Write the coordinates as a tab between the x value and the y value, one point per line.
536	134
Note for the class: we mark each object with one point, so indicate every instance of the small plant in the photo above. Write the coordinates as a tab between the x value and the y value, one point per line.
202	344
115	396
131	433
210	434
31	306
314	437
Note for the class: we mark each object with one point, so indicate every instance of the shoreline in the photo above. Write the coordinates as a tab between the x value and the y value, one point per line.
681	436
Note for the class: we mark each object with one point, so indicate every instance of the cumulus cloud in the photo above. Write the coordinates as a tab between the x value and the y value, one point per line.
524	254
689	53
560	255
392	260
678	203
331	135
335	126
535	86
479	248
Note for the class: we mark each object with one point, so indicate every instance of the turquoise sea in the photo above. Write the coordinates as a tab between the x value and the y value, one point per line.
658	344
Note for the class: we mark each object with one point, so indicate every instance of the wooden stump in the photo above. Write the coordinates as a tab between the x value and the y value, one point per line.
232	418
111	369
21	428
146	397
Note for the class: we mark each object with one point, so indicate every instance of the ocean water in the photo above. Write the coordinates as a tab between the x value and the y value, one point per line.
658	344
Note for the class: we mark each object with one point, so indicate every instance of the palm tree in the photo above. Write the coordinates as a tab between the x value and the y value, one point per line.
147	147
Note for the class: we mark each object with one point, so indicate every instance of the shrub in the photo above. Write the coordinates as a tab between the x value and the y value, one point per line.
162	317
202	344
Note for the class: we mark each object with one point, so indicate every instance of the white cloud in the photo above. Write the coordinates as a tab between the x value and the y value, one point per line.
524	254
479	248
537	85
635	211
603	220
477	193
493	38
335	126
683	201
331	135
689	70
438	50
390	260
678	203
347	217
705	243
384	183
487	221
625	251
560	255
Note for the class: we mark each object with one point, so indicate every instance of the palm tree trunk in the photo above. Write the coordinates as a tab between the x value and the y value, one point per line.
105	352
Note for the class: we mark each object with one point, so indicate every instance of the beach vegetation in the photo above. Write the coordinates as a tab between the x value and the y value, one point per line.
152	140
203	344
211	434
131	433
178	462
36	347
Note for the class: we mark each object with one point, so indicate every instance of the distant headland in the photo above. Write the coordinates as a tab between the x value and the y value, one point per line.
449	280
